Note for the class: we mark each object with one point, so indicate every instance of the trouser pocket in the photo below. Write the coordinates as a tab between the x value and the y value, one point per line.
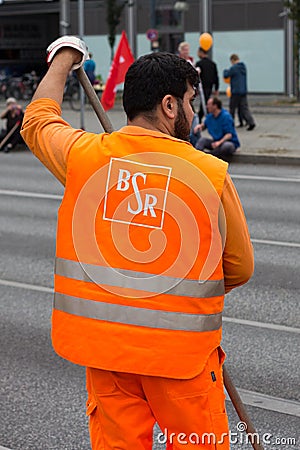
95	428
216	396
94	417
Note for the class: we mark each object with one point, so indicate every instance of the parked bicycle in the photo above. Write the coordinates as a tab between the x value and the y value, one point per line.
72	90
72	93
21	87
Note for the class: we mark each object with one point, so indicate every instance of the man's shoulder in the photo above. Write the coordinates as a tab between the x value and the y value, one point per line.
225	113
207	62
239	67
210	164
225	116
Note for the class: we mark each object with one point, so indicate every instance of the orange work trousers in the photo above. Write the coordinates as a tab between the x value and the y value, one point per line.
124	407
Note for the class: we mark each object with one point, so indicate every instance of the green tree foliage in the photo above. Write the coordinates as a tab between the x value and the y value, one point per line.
113	17
293	10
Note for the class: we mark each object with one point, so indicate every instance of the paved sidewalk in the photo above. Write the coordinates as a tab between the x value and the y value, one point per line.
275	139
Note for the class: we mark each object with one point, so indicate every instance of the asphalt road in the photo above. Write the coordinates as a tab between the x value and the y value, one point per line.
42	397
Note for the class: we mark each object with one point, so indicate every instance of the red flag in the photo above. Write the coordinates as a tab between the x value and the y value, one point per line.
122	60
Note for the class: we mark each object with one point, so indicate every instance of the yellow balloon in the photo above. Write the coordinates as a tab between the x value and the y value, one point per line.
205	41
227	80
228	91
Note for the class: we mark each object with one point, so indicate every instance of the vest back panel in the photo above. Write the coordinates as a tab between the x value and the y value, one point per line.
138	280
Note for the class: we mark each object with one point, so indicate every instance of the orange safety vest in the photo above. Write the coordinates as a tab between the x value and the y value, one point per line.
139	283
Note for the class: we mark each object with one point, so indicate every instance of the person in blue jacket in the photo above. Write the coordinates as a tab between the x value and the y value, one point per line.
90	67
238	86
219	123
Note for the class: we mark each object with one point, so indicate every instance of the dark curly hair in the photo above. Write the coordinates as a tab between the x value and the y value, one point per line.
153	76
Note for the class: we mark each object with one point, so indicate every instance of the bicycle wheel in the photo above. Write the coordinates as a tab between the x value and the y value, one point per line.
75	100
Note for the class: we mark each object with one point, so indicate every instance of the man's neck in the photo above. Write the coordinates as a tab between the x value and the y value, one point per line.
217	113
154	125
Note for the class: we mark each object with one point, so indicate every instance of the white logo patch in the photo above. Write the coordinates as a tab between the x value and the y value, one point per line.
136	193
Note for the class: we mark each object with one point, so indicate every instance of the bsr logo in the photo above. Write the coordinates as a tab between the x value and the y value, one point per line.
136	193
125	181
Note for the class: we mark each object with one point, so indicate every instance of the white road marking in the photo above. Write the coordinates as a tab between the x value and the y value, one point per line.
26	286
59	197
264	178
251	323
30	194
266	325
279	243
268	402
262	401
249	397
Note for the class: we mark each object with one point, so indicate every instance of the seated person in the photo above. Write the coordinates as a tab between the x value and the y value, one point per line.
220	126
10	136
194	136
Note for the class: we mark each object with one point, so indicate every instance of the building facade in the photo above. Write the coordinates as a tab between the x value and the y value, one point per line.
259	31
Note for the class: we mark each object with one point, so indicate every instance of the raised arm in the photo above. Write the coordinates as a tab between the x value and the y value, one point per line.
65	54
46	133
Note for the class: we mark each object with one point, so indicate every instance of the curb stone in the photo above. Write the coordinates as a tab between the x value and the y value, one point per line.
252	158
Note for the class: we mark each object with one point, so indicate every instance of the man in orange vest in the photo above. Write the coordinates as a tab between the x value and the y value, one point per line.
151	235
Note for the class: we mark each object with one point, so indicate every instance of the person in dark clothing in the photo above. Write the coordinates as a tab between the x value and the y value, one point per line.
14	117
238	85
209	77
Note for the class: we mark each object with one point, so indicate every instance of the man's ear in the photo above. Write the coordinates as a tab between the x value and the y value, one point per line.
169	106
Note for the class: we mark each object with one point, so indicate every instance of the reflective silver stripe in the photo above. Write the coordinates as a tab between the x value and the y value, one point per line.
138	280
131	315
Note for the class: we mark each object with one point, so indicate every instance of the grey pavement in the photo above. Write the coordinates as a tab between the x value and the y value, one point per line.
275	139
277	127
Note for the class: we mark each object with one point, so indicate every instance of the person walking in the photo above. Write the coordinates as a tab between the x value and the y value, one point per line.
238	86
138	301
220	126
209	78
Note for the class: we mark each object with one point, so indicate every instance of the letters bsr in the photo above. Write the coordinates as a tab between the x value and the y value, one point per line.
136	193
125	178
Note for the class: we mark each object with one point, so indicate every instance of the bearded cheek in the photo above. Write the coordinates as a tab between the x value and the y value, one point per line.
181	126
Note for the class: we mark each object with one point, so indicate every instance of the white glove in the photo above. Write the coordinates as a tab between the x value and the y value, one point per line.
68	41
